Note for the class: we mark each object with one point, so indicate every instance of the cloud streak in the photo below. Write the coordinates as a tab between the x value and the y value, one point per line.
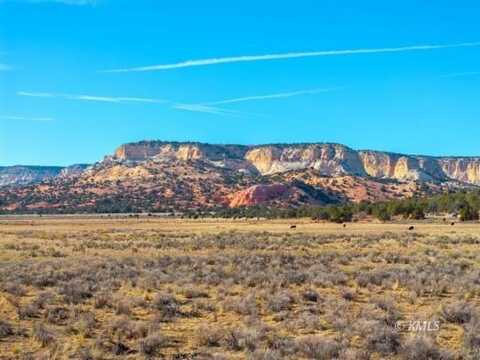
108	99
272	96
290	55
212	108
200	108
203	108
208	108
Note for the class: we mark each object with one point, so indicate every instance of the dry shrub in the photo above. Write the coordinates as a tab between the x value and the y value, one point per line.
383	339
422	348
459	312
152	344
316	347
6	329
167	306
43	334
208	335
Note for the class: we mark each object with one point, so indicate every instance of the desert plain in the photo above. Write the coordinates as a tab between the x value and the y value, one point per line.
123	287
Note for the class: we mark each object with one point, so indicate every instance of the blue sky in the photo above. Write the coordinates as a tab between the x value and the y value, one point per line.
60	103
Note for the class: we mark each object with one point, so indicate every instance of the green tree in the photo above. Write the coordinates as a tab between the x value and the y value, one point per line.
418	213
468	213
382	213
340	214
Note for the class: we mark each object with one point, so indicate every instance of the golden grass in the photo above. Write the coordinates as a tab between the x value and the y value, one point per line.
223	254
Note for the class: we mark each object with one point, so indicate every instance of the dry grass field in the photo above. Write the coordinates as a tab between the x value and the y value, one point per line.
148	288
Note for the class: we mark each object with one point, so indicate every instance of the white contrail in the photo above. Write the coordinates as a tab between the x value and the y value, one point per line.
291	55
26	93
198	107
211	107
204	109
272	96
109	99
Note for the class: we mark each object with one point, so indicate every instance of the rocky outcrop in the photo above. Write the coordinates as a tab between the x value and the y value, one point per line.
137	152
222	156
461	169
292	192
328	159
422	168
73	170
258	194
161	150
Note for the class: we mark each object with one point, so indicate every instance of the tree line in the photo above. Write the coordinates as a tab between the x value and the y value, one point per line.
465	205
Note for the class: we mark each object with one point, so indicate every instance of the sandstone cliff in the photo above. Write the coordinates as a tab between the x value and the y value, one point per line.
327	159
172	176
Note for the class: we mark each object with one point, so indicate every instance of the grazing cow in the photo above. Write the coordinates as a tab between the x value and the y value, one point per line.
344	225
293	226
411	228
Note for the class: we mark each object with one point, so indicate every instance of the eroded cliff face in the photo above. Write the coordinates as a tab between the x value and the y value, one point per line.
377	164
327	159
462	169
424	168
147	150
395	166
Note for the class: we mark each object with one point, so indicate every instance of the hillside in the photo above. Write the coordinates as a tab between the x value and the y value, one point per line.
166	176
23	175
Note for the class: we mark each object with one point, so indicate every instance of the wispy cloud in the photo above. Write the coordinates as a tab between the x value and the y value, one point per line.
23	118
211	107
272	96
204	109
461	74
290	55
109	99
26	93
